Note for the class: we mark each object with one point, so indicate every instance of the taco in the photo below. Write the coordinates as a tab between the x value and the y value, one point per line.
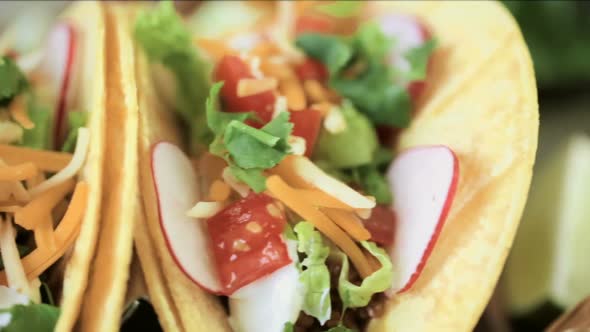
52	138
330	166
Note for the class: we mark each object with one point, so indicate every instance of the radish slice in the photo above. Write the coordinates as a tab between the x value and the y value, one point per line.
423	181
176	187
57	67
409	33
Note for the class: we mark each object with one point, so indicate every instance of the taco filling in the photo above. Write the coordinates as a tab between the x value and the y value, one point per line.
43	146
290	202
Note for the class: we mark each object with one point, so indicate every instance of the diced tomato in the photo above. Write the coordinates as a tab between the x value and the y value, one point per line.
231	69
311	69
308	23
12	54
381	225
307	124
246	240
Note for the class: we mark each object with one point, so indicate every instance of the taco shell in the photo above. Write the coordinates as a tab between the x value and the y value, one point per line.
480	100
88	19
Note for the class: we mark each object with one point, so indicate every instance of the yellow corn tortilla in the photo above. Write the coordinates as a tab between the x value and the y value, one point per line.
480	100
105	297
89	83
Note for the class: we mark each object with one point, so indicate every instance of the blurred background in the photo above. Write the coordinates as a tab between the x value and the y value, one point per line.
548	271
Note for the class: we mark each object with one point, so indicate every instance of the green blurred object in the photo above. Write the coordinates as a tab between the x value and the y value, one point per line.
558	36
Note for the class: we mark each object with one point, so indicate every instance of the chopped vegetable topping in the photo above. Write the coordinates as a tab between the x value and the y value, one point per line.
76	120
163	36
48	161
246	241
355	296
13	81
38	317
315	275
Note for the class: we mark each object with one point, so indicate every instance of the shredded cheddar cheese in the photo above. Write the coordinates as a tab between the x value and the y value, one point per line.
18	172
35	211
18	111
315	91
219	191
348	222
297	145
291	88
251	86
300	172
10	208
324	107
48	161
321	199
214	48
304	208
66	232
44	237
204	210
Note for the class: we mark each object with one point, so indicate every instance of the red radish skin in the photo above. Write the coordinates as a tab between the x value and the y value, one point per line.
172	171
414	167
63	36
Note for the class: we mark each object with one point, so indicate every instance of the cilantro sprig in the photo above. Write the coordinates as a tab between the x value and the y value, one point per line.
12	81
376	90
247	150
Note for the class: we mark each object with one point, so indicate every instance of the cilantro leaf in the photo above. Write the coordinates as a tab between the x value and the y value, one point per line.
32	317
334	52
315	275
418	59
247	150
76	120
252	177
374	183
355	296
13	81
166	40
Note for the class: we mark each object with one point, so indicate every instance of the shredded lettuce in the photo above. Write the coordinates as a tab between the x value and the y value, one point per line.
76	120
289	327
315	275
31	317
166	40
13	81
247	150
39	136
354	296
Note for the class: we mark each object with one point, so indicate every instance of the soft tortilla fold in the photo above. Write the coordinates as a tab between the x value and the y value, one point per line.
480	100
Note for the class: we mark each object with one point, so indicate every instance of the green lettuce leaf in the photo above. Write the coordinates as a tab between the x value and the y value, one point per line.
13	81
76	120
334	52
253	177
39	136
289	327
341	8
418	58
354	296
166	40
32	317
315	275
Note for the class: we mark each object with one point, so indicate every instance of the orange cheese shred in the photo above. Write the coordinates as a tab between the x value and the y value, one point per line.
253	86
48	161
302	207
214	48
285	169
10	208
66	232
18	111
315	91
18	172
219	191
44	237
321	199
293	91
278	70
32	214
348	222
